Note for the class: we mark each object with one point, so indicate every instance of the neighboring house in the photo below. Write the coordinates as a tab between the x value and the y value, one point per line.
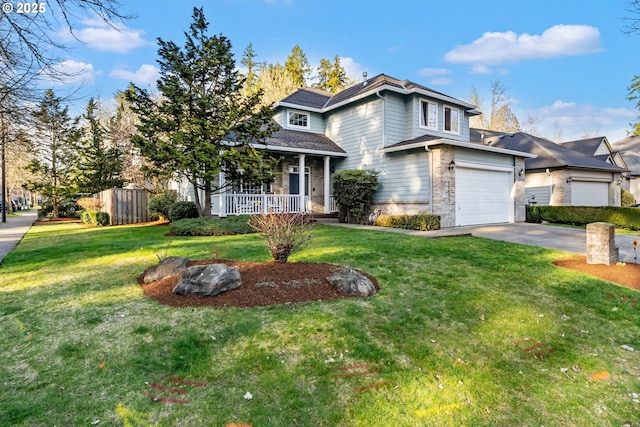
561	176
629	147
598	147
417	139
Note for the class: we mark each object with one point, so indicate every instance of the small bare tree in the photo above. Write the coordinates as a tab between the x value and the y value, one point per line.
283	233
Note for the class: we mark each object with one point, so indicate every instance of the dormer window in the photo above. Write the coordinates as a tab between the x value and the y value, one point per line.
428	114
451	119
298	119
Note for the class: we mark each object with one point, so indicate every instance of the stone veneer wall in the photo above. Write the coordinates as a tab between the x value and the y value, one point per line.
316	171
444	185
601	244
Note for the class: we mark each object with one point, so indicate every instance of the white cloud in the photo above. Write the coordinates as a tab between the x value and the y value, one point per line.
98	35
145	75
481	69
70	72
568	121
353	69
495	48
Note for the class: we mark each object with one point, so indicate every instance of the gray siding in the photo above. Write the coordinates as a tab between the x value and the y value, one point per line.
414	121
357	129
396	117
404	177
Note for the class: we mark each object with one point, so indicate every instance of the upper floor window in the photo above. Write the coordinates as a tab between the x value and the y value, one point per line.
451	120
428	114
298	119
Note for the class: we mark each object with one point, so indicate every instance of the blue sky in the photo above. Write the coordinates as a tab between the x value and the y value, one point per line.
565	63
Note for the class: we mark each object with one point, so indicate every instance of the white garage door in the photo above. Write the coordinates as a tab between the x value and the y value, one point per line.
483	196
588	193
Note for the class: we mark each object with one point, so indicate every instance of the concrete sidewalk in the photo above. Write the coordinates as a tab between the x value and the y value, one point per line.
12	231
564	239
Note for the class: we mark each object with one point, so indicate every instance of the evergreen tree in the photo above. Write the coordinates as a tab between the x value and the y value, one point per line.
332	77
54	137
99	164
251	79
297	67
203	124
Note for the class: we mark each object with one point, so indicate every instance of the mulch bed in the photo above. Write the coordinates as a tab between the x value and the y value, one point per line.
263	284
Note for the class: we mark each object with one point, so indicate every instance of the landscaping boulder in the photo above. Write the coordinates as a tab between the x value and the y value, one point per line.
208	280
168	267
351	282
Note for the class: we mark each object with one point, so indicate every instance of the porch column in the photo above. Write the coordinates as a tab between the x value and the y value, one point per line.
222	199
302	182
327	184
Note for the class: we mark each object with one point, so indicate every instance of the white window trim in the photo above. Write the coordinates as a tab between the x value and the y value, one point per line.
426	126
306	113
444	118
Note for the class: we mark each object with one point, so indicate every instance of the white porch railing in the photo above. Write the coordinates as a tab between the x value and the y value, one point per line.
333	206
243	204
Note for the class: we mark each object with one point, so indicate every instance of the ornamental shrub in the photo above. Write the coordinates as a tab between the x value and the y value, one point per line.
183	209
160	204
353	191
102	218
88	217
283	233
627	198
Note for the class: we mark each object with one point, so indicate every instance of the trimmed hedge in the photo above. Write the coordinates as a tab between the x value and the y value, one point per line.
211	226
422	222
582	215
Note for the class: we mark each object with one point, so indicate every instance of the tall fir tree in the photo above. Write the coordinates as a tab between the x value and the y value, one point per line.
297	67
53	166
100	162
332	76
203	124
252	67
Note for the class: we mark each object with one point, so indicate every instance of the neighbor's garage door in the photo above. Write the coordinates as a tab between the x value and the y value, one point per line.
483	196
589	193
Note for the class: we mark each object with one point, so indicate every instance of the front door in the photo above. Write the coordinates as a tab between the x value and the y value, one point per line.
294	182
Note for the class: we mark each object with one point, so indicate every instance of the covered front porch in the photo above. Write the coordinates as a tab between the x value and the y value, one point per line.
290	191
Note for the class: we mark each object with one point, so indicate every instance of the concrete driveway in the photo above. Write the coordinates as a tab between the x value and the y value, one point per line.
564	239
550	236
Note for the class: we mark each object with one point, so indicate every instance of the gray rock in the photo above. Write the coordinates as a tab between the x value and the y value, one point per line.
168	267
208	280
352	282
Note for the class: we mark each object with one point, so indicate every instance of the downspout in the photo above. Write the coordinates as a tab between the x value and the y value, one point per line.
384	119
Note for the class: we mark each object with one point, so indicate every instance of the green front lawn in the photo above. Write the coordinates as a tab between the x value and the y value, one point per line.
465	331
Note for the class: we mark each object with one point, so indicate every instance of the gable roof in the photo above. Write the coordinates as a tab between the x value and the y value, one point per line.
549	154
321	101
630	149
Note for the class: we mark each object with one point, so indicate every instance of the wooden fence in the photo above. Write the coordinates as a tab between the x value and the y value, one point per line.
125	206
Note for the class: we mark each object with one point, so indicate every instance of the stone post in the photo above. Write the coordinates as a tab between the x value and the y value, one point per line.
601	244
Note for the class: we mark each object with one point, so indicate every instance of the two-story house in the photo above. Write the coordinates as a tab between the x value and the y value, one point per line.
417	139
